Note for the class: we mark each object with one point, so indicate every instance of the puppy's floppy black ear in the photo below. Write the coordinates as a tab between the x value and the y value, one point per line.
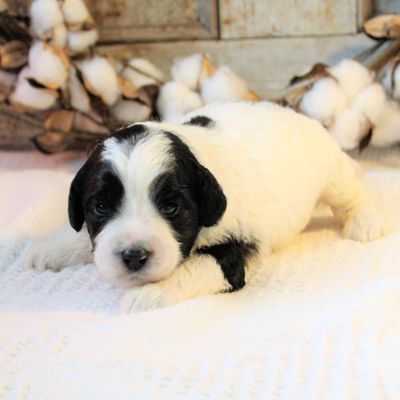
210	197
77	191
208	194
75	201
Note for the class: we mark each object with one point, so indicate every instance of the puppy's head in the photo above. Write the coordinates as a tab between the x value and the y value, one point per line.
144	198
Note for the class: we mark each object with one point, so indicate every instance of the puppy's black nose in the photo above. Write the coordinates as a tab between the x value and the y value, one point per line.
135	258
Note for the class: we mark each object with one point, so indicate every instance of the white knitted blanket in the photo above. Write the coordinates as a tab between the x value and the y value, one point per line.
320	320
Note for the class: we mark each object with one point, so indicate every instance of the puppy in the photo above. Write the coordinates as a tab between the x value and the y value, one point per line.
182	210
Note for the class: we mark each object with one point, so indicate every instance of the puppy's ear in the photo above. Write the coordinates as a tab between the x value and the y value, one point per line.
210	198
78	188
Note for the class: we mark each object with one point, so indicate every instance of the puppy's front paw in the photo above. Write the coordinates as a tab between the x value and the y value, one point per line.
147	297
41	256
365	226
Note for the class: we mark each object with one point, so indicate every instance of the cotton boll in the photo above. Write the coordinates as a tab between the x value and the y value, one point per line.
192	70
193	101
78	96
45	15
128	90
147	68
352	77
75	12
130	111
89	124
136	78
348	128
371	101
323	100
117	65
59	35
48	65
100	79
175	100
224	85
29	96
187	70
80	41
387	130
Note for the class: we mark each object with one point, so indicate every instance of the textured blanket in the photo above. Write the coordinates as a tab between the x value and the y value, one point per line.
319	320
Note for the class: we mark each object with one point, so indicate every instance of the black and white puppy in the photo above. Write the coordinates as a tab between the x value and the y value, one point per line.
181	210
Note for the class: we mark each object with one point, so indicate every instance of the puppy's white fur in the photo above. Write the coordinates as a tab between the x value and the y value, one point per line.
273	165
138	221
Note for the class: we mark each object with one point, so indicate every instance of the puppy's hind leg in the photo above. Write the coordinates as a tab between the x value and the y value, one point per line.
62	249
352	204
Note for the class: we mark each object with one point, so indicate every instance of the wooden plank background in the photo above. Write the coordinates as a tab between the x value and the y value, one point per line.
387	6
137	20
254	18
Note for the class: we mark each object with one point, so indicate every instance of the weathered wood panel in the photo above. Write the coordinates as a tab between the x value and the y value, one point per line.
136	20
255	18
365	10
266	64
387	6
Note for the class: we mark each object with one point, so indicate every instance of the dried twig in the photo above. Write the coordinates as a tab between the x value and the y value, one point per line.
34	121
383	55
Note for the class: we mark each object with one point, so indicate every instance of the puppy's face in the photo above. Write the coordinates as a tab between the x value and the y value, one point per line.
144	198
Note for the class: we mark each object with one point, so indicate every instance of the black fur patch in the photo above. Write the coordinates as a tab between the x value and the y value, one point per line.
204	188
134	131
78	188
201	120
105	188
232	256
94	183
192	190
199	200
171	189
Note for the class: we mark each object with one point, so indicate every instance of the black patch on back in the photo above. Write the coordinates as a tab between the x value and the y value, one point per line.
232	256
201	120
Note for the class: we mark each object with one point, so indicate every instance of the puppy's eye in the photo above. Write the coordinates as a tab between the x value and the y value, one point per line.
100	209
170	209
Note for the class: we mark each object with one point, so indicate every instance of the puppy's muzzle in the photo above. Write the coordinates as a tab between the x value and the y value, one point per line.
135	258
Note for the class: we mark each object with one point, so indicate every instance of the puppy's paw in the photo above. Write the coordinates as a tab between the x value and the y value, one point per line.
365	226
41	256
148	297
12	252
